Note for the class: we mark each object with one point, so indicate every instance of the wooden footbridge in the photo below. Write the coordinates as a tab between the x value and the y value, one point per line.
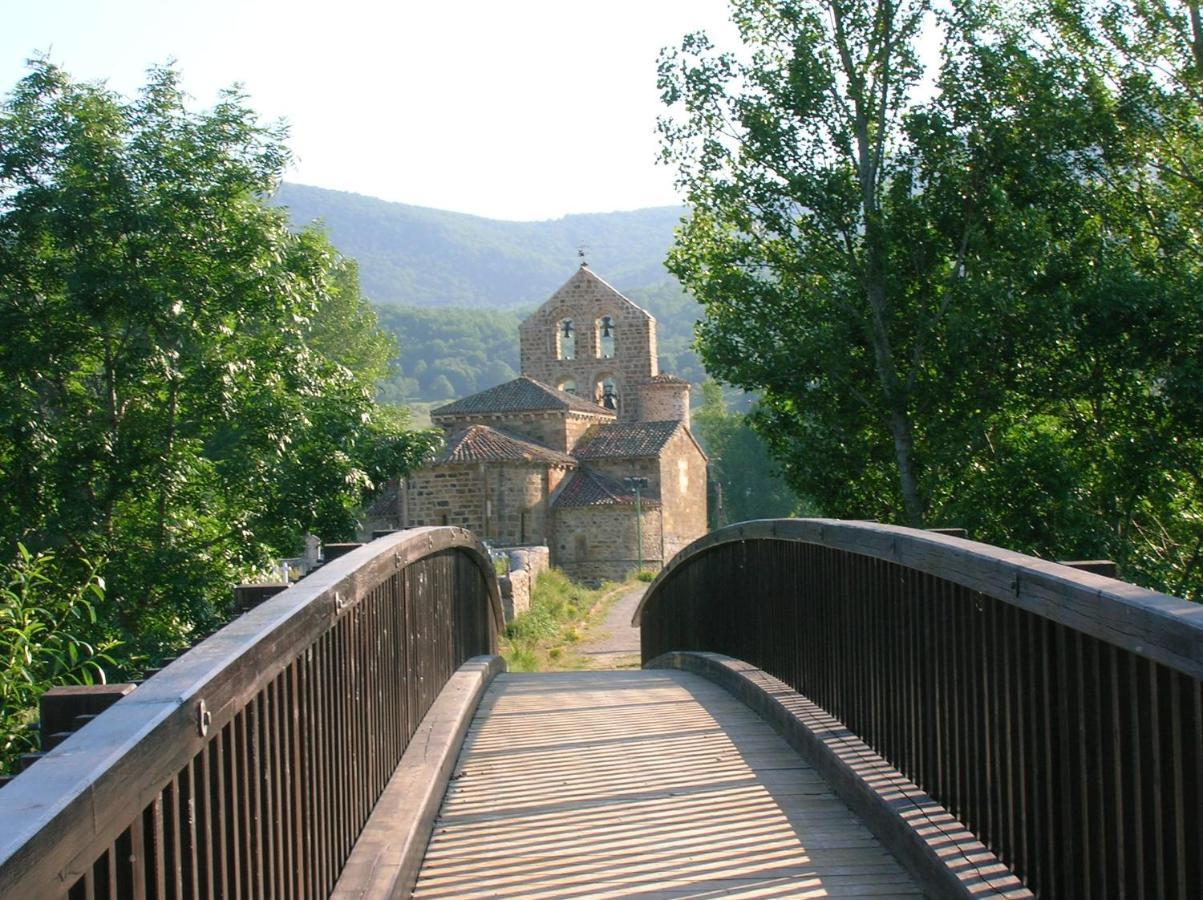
825	709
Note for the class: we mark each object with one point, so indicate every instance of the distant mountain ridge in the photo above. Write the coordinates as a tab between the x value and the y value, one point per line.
452	287
419	256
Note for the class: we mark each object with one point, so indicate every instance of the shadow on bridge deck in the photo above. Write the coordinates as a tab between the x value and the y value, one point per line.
641	783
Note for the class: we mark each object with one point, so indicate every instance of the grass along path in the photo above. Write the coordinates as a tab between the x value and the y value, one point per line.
562	616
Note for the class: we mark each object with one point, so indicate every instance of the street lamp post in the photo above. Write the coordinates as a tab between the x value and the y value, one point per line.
637	485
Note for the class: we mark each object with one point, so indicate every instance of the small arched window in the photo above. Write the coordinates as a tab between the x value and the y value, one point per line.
565	339
605	337
568	386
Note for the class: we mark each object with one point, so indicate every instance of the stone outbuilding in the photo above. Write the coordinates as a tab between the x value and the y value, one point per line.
552	457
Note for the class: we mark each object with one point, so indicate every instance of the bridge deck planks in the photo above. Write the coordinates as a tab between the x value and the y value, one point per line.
641	783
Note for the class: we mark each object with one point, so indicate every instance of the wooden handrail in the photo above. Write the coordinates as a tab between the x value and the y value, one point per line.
1057	713
1157	626
249	764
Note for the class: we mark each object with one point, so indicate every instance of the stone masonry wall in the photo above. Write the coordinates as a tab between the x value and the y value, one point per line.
576	425
595	543
525	564
445	495
515	593
517	504
682	493
533	560
554	430
585	299
665	403
502	503
546	428
639	467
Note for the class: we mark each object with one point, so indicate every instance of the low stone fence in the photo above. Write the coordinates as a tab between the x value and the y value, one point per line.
525	564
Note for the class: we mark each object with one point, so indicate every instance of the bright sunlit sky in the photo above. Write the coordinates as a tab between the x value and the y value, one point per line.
513	109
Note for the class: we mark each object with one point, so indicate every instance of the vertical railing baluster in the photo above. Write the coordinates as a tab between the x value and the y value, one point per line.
1078	762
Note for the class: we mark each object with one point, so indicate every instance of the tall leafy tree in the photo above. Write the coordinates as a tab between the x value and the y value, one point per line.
188	384
942	289
786	156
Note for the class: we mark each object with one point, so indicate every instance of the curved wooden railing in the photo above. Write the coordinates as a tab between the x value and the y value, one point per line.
248	767
1057	713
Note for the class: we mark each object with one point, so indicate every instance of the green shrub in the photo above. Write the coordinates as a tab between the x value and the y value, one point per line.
46	606
557	607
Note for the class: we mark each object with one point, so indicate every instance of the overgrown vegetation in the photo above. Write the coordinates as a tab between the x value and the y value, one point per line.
543	637
188	385
47	638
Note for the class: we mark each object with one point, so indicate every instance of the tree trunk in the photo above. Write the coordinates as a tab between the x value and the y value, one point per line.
892	389
904	455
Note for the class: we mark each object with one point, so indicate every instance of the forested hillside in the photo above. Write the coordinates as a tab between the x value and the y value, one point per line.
452	288
452	352
430	257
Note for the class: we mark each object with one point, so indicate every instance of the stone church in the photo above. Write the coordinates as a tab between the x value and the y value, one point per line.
547	458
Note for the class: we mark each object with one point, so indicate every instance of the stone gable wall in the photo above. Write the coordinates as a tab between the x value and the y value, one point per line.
618	469
510	503
585	301
682	493
595	543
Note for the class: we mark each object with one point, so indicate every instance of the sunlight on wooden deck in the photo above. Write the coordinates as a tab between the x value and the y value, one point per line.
641	783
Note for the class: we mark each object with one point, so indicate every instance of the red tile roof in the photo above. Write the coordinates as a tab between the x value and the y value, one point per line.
621	439
479	443
588	488
520	395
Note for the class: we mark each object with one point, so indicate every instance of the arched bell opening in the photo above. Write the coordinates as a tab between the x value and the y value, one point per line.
565	339
606	393
605	337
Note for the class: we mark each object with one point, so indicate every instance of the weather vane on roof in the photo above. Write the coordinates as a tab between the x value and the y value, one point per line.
580	251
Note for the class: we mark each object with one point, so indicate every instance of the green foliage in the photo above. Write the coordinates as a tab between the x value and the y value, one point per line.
189	385
751	485
555	599
973	305
429	257
558	607
645	576
447	353
47	617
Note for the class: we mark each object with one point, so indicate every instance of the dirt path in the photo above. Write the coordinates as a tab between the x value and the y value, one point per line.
612	643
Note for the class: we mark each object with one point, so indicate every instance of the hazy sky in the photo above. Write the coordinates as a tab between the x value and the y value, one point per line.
516	109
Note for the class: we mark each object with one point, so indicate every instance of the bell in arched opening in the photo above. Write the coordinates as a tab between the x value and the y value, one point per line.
607	393
605	337
565	339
